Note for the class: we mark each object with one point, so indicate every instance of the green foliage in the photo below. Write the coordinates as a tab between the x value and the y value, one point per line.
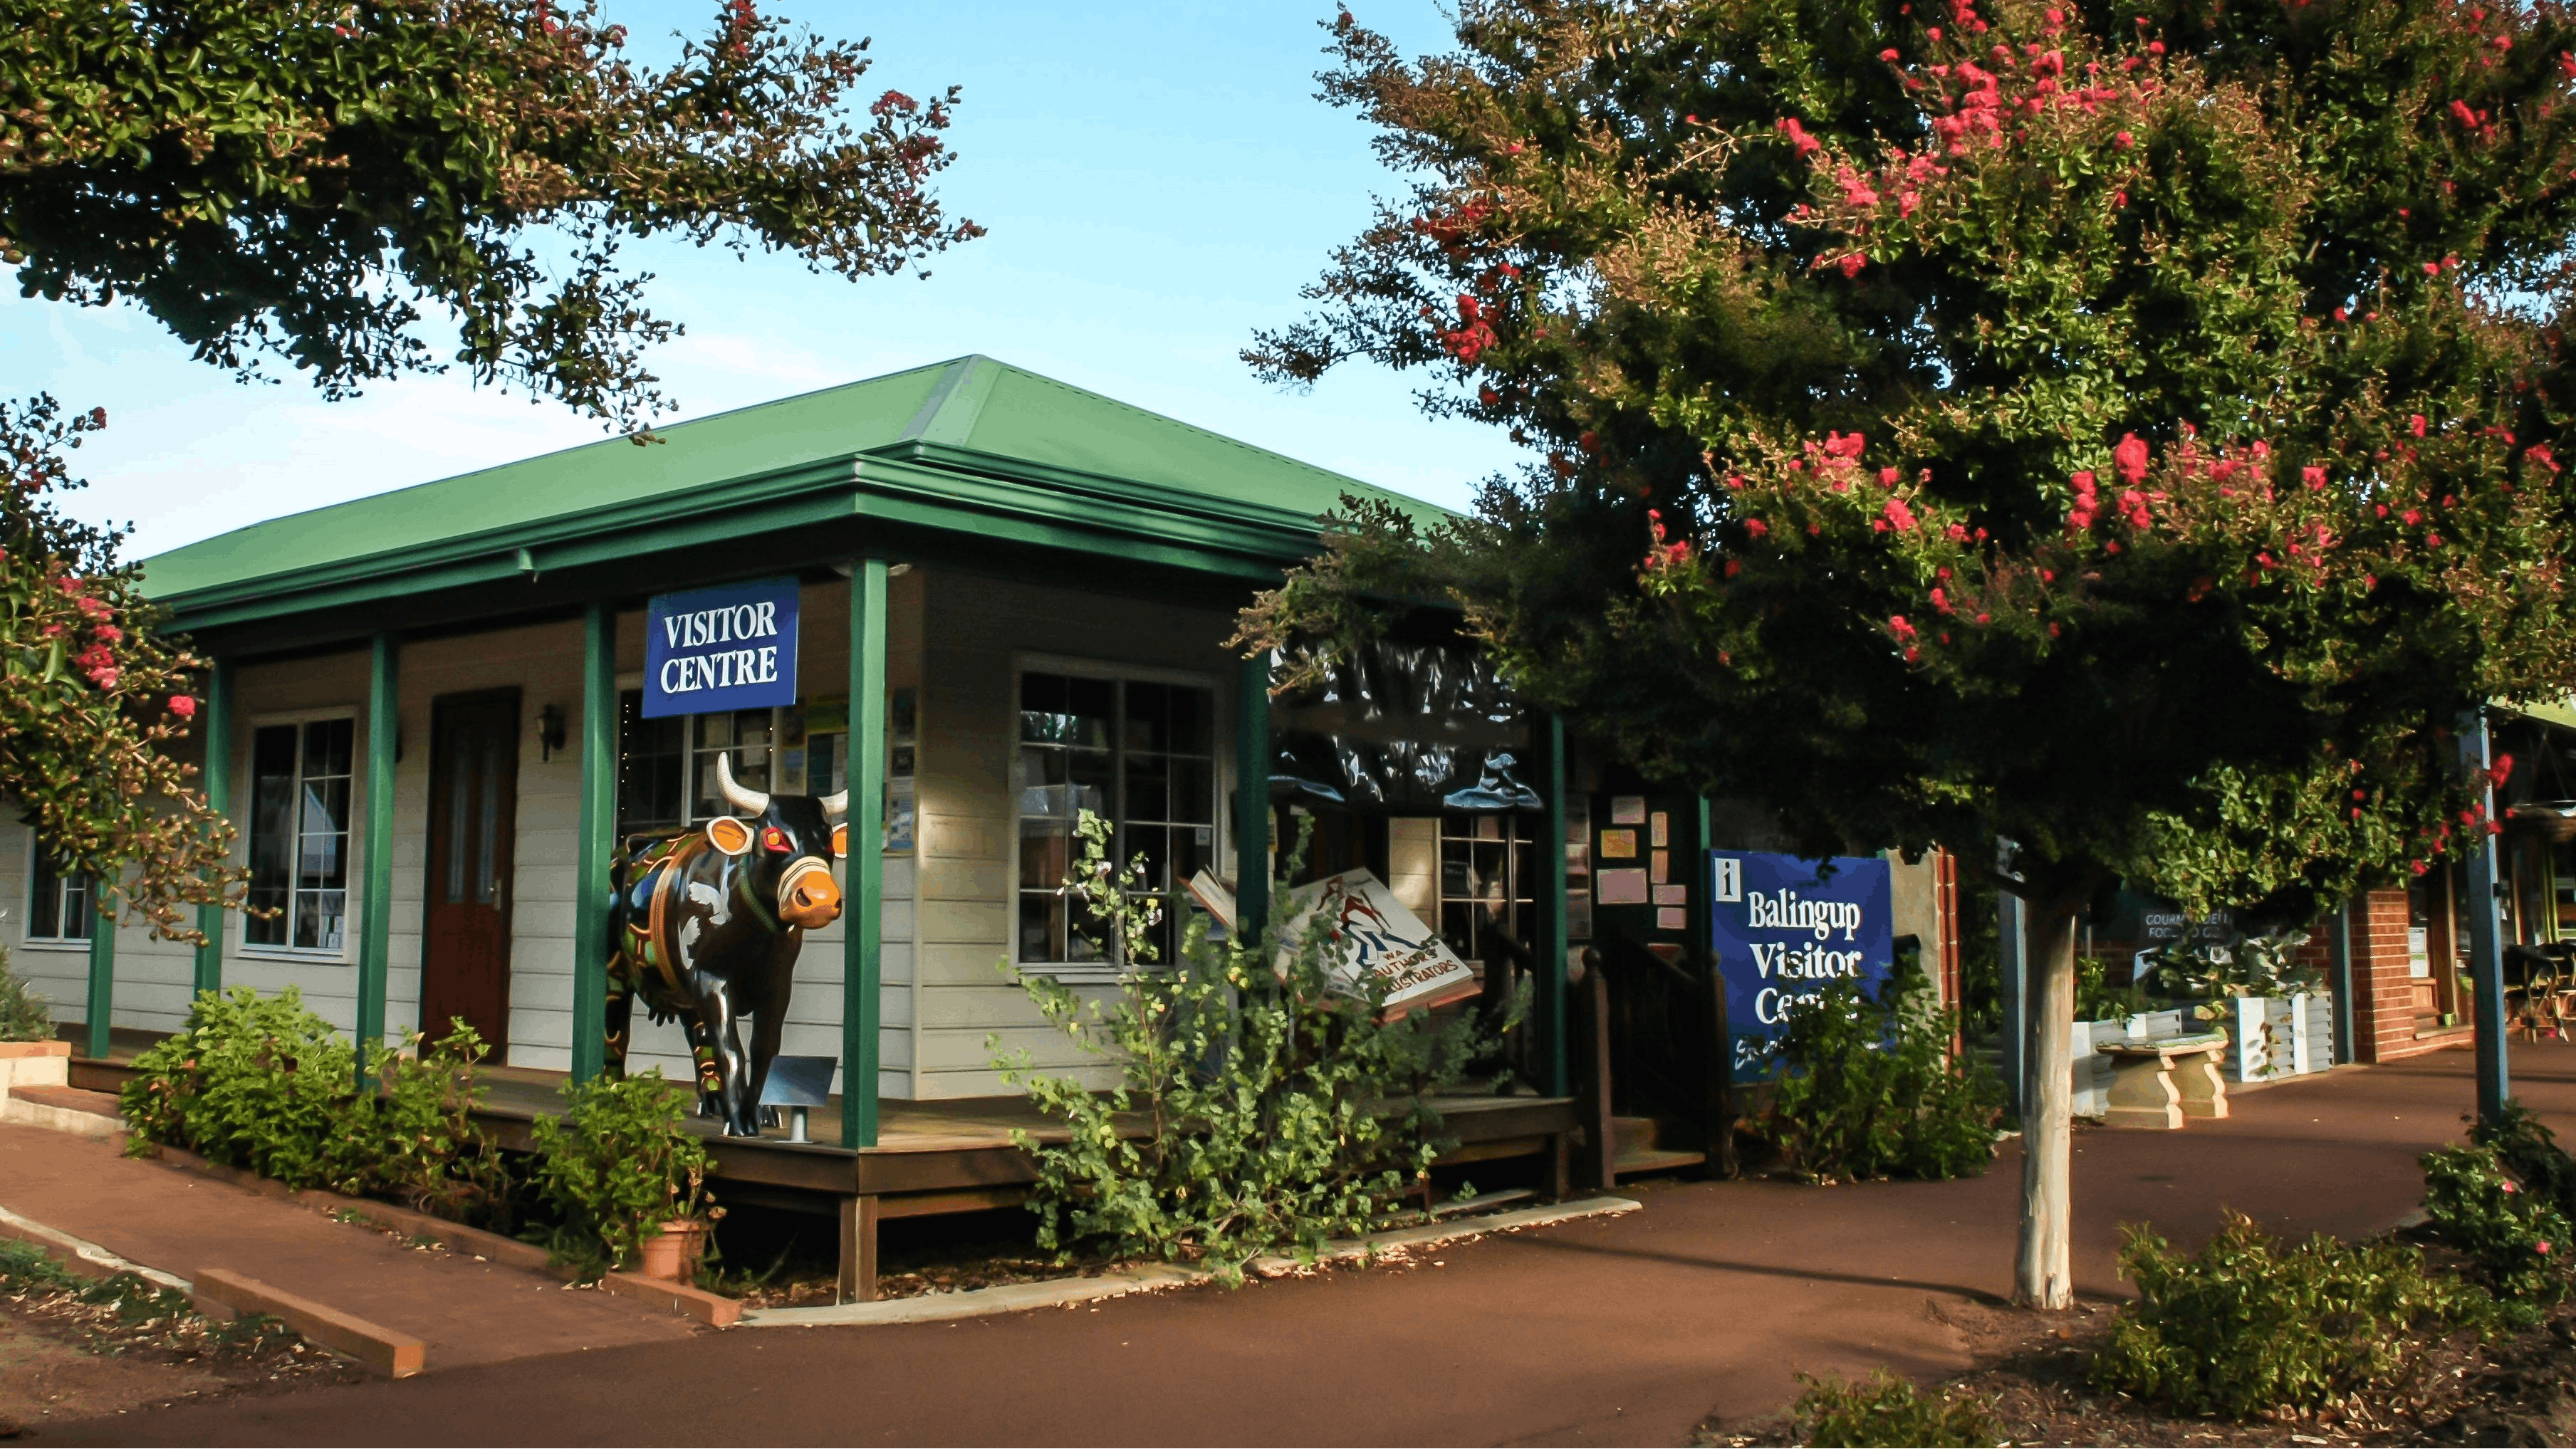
2247	1325
23	1014
263	1083
2503	1199
1256	1109
2096	999
91	695
302	179
2257	965
617	1165
1890	1411
1871	1088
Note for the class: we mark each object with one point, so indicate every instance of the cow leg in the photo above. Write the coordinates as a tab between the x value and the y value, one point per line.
769	1012
719	1017
704	1066
619	1018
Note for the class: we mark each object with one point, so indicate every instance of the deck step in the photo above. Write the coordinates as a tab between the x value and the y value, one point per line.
1642	1162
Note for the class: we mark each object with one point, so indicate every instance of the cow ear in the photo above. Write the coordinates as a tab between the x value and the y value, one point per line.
729	835
840	842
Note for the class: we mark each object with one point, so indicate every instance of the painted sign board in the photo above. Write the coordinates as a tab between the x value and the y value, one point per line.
1378	942
1782	928
718	649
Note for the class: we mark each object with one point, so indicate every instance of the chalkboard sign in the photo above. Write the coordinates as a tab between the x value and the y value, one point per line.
1783	928
718	649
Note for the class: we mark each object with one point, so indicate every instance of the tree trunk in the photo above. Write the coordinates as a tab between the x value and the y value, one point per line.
2044	1275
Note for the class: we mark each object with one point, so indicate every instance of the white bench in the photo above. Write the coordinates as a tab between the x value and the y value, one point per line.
2156	1084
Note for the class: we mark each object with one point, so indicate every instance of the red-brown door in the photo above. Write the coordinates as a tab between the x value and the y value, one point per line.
473	809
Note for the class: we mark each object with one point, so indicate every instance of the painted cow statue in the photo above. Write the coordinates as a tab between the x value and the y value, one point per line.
705	926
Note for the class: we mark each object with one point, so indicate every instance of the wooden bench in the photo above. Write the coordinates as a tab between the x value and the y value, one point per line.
2156	1084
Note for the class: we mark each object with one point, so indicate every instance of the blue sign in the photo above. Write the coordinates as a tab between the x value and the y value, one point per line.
716	649
1785	928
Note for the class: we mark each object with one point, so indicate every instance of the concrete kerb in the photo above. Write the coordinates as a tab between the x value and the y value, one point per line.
1152	1277
82	1256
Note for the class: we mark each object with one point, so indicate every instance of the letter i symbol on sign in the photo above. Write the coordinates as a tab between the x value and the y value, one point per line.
1729	885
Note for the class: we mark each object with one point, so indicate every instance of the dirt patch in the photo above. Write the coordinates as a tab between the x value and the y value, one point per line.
80	1350
2457	1391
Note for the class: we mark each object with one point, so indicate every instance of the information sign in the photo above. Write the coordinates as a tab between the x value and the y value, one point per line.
1784	928
718	649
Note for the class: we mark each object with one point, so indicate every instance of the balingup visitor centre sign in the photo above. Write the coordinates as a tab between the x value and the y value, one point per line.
1784	928
718	649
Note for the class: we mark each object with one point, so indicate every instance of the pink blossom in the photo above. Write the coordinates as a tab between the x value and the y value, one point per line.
1755	528
2314	477
1899	515
2415	424
1897	626
2130	457
1852	264
184	705
1804	144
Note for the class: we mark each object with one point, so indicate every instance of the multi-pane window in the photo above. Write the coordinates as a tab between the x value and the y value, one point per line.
667	767
299	834
1135	752
58	903
1488	876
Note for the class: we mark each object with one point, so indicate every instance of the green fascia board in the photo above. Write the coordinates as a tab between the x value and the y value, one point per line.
962	444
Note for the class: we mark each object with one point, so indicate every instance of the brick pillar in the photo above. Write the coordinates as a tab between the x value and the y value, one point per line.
2383	1019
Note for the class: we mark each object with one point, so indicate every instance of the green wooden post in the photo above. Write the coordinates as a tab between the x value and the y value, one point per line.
597	841
218	782
102	973
376	900
1252	797
863	912
1548	1017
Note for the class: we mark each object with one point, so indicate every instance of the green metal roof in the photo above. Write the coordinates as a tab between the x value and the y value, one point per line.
971	444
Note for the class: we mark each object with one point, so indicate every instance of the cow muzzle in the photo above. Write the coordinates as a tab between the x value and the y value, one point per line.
806	895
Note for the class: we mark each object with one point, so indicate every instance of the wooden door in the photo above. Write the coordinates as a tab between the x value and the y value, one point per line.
473	810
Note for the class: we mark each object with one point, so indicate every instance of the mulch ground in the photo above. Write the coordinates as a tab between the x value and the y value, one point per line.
2032	1377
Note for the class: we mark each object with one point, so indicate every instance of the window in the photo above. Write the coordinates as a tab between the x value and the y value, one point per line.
1136	752
666	777
299	834
58	904
1488	878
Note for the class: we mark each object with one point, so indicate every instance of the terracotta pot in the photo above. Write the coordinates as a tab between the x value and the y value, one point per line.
672	1255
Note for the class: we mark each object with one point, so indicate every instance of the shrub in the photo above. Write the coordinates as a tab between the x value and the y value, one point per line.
2498	1199
1255	1109
23	1014
1890	1411
2247	1325
1870	1088
616	1166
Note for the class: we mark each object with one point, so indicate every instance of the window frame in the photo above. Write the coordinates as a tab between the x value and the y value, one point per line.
36	864
1220	798
691	753
246	753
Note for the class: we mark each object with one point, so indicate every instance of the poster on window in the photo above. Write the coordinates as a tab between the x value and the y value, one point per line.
1375	941
1784	928
719	649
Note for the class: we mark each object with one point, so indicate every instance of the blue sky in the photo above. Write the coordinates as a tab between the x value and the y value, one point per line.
1159	181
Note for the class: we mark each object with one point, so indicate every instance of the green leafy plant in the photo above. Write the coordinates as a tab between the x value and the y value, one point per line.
2096	999
2247	1324
1870	1088
2265	964
617	1166
2499	1198
23	1013
1887	1410
251	1081
1256	1109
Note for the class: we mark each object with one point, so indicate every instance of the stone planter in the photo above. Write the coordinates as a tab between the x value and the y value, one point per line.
672	1255
34	1064
2278	1036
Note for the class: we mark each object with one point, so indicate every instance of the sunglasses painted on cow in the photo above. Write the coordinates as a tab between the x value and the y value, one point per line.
706	925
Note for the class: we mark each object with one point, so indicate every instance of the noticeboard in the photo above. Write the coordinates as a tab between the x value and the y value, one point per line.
717	649
1783	927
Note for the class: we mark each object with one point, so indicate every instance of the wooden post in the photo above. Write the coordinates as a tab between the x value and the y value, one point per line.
217	780
858	1217
2486	948
597	840
1252	798
863	921
376	900
1548	1011
2045	1267
2339	954
1599	1168
1718	1088
102	971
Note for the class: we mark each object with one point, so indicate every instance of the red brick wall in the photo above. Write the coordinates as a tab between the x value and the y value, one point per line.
2383	1021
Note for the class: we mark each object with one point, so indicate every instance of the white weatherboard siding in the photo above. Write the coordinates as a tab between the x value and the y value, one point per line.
976	631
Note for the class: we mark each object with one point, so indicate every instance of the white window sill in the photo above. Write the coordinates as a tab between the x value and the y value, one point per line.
66	947
306	956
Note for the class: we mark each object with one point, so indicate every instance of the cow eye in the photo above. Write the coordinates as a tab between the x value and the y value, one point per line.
774	838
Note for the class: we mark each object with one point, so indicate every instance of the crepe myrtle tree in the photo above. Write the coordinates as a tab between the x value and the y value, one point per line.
92	695
2103	441
307	181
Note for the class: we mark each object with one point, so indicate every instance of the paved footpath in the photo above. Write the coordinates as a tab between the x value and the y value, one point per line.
466	1312
1624	1330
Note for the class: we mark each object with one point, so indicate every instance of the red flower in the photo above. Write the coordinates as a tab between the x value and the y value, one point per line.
184	705
2415	424
1897	626
2314	477
1888	55
1755	528
1804	144
1899	515
2126	140
1852	264
2130	457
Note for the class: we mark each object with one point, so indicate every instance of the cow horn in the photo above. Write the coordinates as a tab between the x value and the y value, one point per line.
748	802
836	806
